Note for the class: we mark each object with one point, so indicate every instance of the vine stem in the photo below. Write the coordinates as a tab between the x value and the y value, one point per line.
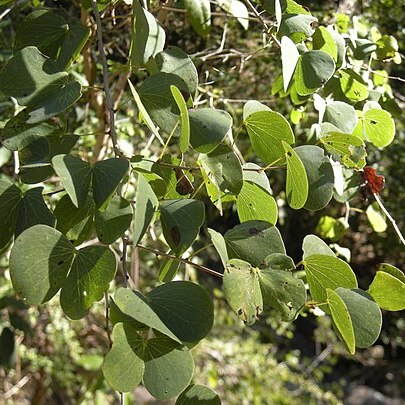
107	91
168	255
392	220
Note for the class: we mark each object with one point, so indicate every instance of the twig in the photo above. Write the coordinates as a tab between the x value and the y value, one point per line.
197	266
257	15
107	91
392	220
319	359
380	74
107	319
13	390
125	243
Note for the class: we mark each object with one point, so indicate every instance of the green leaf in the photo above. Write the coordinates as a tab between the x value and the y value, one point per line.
388	288
297	180
148	37
341	319
208	128
353	85
324	271
181	221
242	290
320	176
313	245
253	174
378	127
184	119
253	241
93	269
135	305
10	200
198	395
349	149
278	261
220	245
283	292
289	59
107	175
297	23
27	77
75	175
168	269
158	100
267	130
341	115
185	308
75	223
256	203
39	262
253	106
314	69
112	223
199	14
224	168
365	315
176	61
376	217
73	42
7	348
332	228
237	9
33	211
43	29
145	207
322	40
123	366
18	134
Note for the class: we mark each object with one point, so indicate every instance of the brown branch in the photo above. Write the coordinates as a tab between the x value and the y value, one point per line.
189	262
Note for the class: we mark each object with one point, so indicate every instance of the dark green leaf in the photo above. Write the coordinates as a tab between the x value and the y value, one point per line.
92	270
10	200
297	23
199	14
39	263
198	395
168	269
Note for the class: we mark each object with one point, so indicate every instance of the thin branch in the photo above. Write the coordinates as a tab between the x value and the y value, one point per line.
257	15
197	266
125	243
392	220
107	91
107	319
382	75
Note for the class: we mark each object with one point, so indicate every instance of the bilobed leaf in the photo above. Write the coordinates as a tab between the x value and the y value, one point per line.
297	180
112	223
181	222
320	176
184	120
135	305
253	241
242	290
208	128
312	245
198	395
39	263
388	288
322	40
75	175
353	85
148	36
324	271
123	366
297	23
107	175
160	354
10	199
253	106
289	59
283	292
199	14
256	203
43	29
378	127
314	69
237	9
224	168
33	211
176	61
365	315
145	207
267	130
185	308
341	115
341	318
92	270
